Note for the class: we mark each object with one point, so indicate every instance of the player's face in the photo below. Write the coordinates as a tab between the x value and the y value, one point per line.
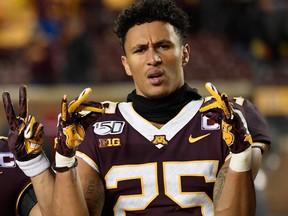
155	59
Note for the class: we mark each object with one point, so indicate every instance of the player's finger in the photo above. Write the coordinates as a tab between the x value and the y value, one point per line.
9	111
213	91
28	133
74	104
227	109
23	106
222	99
91	106
34	136
64	108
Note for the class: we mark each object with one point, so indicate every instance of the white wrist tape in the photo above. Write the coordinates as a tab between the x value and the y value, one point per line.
63	161
241	162
34	166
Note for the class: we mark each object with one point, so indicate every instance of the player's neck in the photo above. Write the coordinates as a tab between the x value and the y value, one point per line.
157	125
162	110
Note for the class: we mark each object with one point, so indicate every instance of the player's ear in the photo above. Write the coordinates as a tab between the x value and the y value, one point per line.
126	65
185	54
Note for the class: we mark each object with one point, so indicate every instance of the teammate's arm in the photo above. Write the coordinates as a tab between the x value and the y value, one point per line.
44	188
25	140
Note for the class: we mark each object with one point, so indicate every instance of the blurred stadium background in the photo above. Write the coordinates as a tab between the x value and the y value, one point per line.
59	47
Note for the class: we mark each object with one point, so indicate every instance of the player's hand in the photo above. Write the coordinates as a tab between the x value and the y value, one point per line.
26	135
73	120
231	117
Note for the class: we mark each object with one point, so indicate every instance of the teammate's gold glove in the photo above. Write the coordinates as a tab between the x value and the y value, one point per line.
73	120
232	118
26	135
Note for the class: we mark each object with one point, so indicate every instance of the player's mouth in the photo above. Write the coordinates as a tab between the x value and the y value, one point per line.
155	77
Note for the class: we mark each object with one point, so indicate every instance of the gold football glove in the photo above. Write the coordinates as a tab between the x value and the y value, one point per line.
73	120
230	116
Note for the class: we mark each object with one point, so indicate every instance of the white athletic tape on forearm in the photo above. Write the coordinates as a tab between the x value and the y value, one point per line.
62	161
34	166
241	162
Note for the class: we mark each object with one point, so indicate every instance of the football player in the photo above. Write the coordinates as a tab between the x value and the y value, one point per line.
167	150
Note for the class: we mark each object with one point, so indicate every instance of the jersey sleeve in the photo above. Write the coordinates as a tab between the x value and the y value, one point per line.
87	150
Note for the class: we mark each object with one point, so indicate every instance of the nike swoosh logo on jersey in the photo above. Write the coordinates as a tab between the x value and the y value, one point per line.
195	139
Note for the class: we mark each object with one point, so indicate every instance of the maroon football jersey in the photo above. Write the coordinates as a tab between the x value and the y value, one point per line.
151	171
12	180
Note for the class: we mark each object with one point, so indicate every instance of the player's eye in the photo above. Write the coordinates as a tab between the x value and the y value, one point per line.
163	46
140	50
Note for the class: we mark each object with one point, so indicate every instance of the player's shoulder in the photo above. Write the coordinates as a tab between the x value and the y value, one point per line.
248	105
238	100
111	107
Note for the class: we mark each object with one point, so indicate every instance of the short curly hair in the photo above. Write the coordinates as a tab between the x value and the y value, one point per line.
146	11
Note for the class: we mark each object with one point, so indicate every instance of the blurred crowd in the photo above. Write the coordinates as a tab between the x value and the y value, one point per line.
71	41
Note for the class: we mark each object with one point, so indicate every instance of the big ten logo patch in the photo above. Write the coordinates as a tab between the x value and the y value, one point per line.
7	160
109	142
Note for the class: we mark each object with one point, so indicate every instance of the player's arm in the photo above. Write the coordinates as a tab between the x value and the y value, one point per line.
255	165
35	211
259	130
93	187
85	197
44	188
68	196
234	192
71	194
25	140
